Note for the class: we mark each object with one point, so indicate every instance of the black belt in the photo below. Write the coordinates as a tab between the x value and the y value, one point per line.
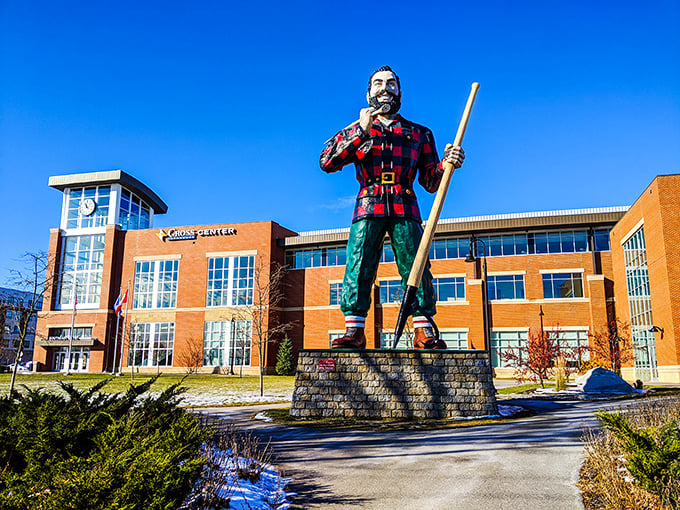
387	178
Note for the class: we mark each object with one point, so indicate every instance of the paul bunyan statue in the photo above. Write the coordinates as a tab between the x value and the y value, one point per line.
389	152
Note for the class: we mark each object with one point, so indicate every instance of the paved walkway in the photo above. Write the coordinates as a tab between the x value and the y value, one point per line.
527	464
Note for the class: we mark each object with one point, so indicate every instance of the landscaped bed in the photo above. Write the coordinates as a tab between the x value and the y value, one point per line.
90	450
633	462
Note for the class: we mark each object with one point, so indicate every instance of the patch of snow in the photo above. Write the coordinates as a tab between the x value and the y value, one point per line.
507	411
601	380
266	493
263	417
221	398
483	417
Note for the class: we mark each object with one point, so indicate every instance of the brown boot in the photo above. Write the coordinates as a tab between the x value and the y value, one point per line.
424	338
354	339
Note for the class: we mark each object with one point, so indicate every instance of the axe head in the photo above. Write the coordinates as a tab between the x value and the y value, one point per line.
408	305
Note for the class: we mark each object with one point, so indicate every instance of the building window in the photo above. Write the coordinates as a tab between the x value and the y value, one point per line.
506	341
231	281
405	342
387	254
82	264
134	212
640	306
336	292
569	241
558	242
227	343
449	289
601	240
318	257
334	336
79	333
156	284
455	339
456	248
152	344
390	291
506	245
562	285
506	287
576	343
101	196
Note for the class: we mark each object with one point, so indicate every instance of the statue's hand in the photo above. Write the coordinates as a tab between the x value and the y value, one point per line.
366	118
454	155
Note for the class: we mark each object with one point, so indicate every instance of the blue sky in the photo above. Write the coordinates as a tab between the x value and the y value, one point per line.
222	108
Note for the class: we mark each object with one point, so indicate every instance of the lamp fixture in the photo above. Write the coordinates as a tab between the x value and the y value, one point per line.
472	250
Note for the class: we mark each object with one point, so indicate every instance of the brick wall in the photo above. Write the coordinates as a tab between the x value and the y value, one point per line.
124	248
656	210
309	299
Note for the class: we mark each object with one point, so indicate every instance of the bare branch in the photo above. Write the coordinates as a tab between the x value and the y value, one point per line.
265	310
30	283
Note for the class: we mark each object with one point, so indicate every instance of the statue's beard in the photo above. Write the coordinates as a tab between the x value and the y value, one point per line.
394	103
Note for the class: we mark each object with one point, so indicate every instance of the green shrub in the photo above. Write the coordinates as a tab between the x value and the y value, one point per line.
285	358
652	454
91	451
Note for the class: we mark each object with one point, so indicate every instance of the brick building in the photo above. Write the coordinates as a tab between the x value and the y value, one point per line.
14	303
189	286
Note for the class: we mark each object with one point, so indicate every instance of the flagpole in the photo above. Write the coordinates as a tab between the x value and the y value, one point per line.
122	342
70	336
115	345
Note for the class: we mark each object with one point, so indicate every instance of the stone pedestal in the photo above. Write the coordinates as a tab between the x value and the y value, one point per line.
394	384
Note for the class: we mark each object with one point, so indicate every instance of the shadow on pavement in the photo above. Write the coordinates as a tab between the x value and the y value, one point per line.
310	492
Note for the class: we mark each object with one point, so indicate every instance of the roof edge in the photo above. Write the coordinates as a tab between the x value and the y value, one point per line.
61	182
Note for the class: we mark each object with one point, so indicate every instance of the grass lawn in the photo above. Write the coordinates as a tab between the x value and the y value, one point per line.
201	389
196	384
520	388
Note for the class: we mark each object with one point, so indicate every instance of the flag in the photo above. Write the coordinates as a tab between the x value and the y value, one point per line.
118	307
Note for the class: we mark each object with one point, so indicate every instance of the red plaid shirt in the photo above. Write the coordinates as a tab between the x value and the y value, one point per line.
386	164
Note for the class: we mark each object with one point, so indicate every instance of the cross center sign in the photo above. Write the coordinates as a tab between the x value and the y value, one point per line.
326	365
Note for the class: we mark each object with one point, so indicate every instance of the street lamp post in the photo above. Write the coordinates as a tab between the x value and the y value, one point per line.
472	257
232	346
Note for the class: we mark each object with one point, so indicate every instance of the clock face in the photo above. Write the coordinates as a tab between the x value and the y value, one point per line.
87	207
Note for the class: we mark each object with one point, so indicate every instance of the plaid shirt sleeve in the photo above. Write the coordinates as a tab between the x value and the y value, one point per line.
342	149
430	169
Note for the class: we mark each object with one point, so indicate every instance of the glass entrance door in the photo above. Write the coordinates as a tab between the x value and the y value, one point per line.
645	354
80	359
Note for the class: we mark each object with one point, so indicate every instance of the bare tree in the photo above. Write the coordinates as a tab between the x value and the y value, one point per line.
4	338
611	345
191	357
265	310
32	281
536	359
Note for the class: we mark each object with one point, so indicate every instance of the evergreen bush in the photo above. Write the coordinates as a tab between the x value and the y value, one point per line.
652	454
93	451
285	357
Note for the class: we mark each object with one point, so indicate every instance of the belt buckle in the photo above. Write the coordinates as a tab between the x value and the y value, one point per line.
387	178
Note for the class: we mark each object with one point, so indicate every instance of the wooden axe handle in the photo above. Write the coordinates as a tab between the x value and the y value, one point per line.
424	248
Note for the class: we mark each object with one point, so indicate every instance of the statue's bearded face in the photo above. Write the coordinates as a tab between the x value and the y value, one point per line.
384	90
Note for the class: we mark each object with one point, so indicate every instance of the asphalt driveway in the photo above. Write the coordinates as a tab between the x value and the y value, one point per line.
531	463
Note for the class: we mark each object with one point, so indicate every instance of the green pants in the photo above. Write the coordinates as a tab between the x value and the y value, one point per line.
364	250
